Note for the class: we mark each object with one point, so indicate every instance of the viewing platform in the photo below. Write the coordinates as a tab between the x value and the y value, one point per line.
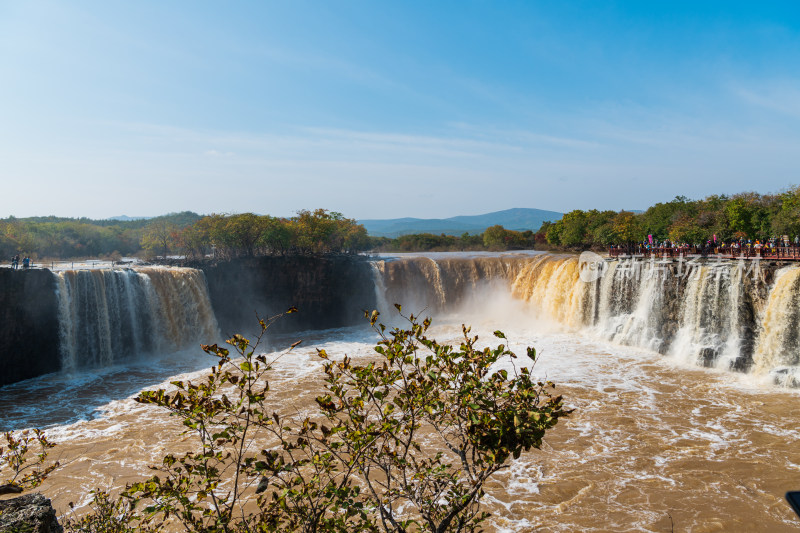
778	253
83	264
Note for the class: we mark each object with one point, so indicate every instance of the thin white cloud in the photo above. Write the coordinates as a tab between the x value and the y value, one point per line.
783	97
614	156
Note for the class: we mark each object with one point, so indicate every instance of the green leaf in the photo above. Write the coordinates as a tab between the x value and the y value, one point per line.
532	353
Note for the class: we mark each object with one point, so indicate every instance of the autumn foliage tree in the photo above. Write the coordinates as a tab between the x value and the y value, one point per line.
322	231
246	235
224	236
160	237
627	228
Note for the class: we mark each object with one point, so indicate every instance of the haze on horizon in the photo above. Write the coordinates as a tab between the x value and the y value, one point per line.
392	109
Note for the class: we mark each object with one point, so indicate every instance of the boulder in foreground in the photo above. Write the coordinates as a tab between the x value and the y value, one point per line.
29	513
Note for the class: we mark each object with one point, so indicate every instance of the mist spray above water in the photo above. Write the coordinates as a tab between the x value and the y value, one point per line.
712	314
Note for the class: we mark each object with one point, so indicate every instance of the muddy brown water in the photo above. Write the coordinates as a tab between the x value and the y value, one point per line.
651	446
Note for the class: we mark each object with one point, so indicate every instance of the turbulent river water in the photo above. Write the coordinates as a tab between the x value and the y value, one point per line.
683	418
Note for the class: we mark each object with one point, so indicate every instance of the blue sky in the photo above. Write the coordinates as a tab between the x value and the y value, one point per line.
392	109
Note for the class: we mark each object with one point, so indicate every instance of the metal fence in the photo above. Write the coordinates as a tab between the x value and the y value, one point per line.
781	253
89	264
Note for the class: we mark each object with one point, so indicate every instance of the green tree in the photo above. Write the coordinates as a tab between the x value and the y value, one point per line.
194	241
553	233
159	237
657	220
687	230
574	228
600	227
627	228
276	236
494	237
712	216
786	220
243	232
322	231
740	217
355	237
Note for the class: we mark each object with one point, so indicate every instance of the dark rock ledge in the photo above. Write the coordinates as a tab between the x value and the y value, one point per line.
30	513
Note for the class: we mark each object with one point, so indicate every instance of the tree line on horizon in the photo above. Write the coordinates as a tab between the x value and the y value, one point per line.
745	216
247	234
65	238
227	236
187	233
494	238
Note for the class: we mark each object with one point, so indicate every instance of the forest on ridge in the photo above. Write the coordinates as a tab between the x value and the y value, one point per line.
743	216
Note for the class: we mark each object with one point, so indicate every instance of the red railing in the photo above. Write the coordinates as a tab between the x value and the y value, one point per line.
782	253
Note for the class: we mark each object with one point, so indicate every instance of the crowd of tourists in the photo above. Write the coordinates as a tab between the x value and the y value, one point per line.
26	262
775	246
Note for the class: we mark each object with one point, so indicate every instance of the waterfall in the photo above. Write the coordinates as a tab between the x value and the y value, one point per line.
380	287
436	278
630	305
711	315
106	316
720	314
618	299
443	285
778	346
553	285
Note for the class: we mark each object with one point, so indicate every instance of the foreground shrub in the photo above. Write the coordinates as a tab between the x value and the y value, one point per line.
402	443
23	460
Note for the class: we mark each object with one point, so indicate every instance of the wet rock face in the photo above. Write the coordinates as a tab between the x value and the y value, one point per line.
28	325
30	513
329	291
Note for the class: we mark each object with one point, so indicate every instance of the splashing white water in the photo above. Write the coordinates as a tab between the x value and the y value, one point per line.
108	315
707	316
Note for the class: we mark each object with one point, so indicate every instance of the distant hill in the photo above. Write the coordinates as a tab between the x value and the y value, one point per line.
518	219
126	218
